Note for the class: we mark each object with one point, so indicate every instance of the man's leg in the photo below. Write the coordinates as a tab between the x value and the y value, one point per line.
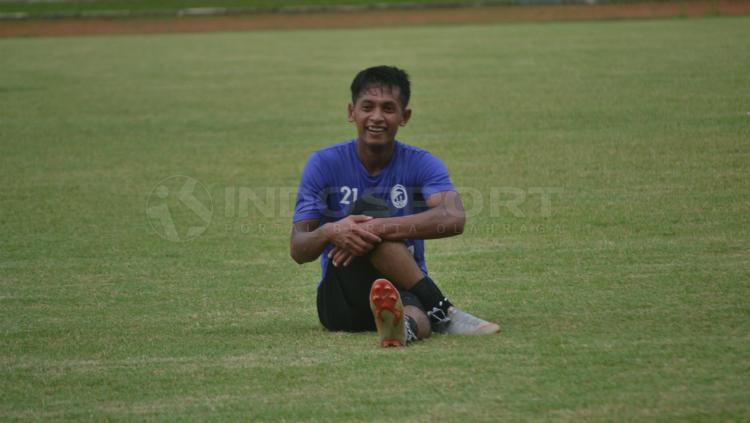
419	293
343	300
395	261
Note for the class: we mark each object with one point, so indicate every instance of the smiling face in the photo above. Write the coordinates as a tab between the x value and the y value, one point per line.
378	113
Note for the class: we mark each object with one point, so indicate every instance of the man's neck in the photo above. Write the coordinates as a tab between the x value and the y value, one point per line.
375	159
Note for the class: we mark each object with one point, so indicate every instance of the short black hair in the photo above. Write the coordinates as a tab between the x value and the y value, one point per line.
384	76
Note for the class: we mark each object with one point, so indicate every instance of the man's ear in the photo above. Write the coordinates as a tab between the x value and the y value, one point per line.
407	116
350	109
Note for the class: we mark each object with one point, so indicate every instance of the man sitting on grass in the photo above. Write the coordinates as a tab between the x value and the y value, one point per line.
364	207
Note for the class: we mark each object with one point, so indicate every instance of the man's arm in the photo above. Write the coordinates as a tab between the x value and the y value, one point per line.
445	217
309	239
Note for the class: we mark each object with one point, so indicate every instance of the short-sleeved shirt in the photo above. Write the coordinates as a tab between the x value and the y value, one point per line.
334	178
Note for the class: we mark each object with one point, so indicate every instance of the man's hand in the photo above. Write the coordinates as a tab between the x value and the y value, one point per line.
349	236
340	257
350	239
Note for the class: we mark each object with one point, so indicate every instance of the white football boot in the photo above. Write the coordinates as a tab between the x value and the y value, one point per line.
459	322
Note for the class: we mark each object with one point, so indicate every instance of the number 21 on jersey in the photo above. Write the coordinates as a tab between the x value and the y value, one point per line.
350	195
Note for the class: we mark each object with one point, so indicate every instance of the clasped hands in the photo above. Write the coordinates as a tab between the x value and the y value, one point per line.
351	236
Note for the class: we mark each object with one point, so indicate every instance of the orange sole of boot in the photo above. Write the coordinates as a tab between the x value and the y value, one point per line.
388	311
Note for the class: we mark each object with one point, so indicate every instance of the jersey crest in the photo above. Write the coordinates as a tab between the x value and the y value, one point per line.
399	197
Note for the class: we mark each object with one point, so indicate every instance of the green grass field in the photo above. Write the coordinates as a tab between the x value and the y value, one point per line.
623	298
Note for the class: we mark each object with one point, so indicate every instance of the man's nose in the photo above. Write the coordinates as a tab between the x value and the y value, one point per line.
377	115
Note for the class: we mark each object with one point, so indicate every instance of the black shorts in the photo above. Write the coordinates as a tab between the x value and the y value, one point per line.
344	296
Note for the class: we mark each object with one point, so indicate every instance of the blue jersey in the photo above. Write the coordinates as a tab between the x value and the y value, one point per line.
334	178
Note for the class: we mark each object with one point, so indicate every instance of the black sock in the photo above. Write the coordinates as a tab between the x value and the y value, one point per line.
430	296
